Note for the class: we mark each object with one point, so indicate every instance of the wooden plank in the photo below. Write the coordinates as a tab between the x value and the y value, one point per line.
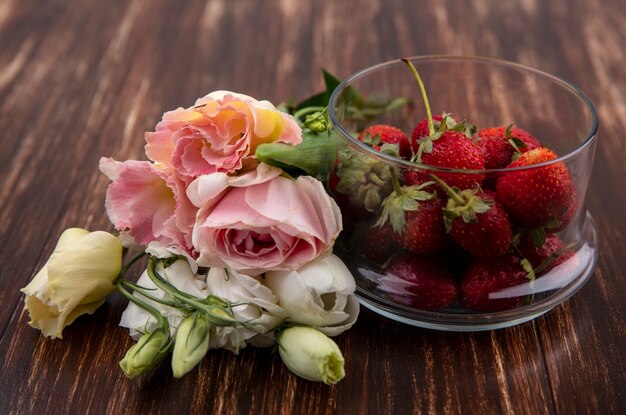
80	80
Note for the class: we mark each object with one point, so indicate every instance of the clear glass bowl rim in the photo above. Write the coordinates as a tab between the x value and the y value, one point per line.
399	162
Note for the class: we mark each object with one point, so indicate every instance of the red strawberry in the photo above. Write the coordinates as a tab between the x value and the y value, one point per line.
424	232
477	222
537	197
565	217
416	216
377	135
446	147
359	183
548	255
379	243
349	209
454	150
486	277
419	282
500	144
421	130
498	152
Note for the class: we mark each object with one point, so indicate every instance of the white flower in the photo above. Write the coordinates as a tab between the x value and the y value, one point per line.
181	276
157	249
263	316
75	280
311	355
319	294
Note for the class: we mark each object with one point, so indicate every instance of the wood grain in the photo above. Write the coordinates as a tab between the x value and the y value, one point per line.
84	79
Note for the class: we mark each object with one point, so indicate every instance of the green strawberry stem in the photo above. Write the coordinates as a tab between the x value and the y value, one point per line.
395	182
450	191
431	126
553	257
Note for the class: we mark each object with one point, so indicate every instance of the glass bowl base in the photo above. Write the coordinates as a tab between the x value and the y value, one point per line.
553	291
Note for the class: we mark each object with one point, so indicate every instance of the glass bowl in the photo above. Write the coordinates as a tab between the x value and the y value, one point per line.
438	279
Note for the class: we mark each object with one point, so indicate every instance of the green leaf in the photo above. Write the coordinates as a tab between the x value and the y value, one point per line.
507	132
538	236
555	223
318	100
390	149
468	215
330	80
314	156
519	143
451	213
530	272
321	99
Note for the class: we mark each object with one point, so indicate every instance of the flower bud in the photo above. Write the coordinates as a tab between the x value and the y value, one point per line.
192	343
146	354
317	122
311	355
75	280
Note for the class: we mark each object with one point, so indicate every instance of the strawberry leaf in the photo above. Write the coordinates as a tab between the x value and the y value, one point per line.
406	199
448	217
555	223
538	236
372	140
519	143
390	149
507	133
393	211
530	272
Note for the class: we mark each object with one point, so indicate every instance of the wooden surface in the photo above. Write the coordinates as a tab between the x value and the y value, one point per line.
81	79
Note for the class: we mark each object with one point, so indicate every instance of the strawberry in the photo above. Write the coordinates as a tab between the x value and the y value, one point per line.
501	144
446	147
415	216
424	232
377	135
350	210
487	276
421	130
379	243
537	197
452	150
476	221
551	252
359	183
419	282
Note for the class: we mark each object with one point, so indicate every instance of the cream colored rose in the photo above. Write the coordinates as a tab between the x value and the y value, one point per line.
75	280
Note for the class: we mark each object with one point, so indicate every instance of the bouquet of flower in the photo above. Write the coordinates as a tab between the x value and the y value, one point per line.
238	233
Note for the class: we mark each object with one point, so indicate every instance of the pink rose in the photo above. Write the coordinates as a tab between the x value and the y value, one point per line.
261	220
219	134
148	203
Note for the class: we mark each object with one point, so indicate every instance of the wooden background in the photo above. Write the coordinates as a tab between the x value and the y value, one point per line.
81	79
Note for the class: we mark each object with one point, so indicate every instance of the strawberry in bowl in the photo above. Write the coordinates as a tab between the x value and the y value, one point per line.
480	221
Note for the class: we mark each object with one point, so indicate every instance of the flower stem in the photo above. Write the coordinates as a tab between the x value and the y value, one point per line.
144	291
130	263
161	320
307	110
220	314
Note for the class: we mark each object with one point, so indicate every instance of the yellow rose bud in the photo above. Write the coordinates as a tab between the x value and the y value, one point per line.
75	280
192	343
146	354
311	355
